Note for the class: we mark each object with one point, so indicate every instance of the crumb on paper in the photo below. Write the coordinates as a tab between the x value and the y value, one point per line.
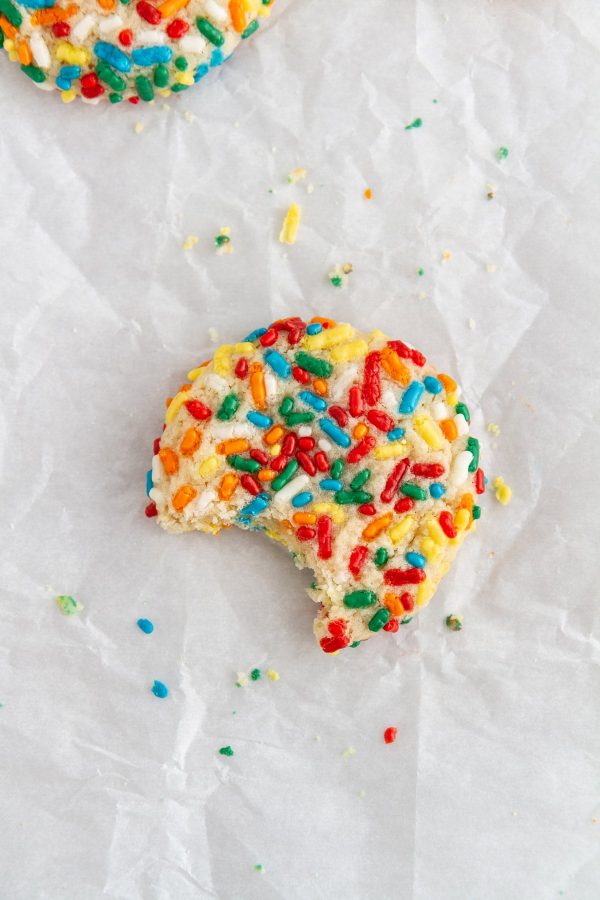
454	622
68	605
490	191
423	295
289	229
491	267
362	793
310	188
317	738
349	751
190	241
472	324
222	241
213	335
503	491
493	428
368	194
338	276
272	675
190	117
226	751
296	175
138	127
416	123
242	680
258	867
502	153
446	255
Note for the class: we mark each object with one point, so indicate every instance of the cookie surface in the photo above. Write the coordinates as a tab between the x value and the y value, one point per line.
348	448
123	49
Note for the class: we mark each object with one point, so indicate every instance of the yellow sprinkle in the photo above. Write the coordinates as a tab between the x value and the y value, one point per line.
67	96
329	337
291	222
503	491
185	78
446	255
430	550
424	593
452	398
435	530
493	428
377	335
462	519
193	374
296	174
330	509
75	56
400	529
175	405
245	348
347	352
165	93
222	360
138	127
273	675
209	466
190	241
275	450
390	450
429	431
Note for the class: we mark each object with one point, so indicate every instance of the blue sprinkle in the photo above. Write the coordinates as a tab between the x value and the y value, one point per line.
38	4
110	54
416	560
149	482
312	400
216	58
258	419
63	84
302	499
278	363
331	484
145	625
255	506
70	72
411	397
395	434
336	434
433	385
149	56
315	328
485	479
254	335
160	690
201	71
437	490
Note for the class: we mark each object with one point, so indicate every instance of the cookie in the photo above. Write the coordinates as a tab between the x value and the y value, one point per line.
348	448
122	49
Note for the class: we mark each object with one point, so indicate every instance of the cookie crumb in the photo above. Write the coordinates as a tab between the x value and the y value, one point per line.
493	428
272	675
338	276
503	491
310	188
138	127
242	680
190	241
213	335
362	793
296	175
289	229
189	117
446	255
226	751
454	622
349	751
491	267
472	324
68	605
317	738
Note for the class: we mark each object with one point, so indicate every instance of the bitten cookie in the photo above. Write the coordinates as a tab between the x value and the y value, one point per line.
123	49
348	448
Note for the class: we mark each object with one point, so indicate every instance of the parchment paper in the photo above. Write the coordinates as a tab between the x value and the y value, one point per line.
491	791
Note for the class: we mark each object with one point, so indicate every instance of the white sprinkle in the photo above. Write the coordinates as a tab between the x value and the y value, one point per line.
215	11
110	24
157	469
472	324
462	426
343	382
325	445
270	385
439	411
286	493
157	496
310	188
204	499
150	38
82	29
213	335
389	400
192	43
460	468
40	52
224	431
305	431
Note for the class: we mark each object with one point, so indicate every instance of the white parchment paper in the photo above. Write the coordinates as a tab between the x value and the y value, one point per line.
491	791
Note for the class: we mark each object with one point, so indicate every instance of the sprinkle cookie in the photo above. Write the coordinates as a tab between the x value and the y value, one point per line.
348	448
122	49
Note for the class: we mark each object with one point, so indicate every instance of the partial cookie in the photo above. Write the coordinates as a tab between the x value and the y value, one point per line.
116	49
348	448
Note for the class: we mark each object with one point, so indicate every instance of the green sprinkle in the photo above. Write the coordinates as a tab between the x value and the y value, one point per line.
259	868
12	14
502	153
252	27
255	674
420	271
476	512
360	599
346	497
181	63
463	409
68	605
222	239
336	280
454	623
178	88
381	557
359	479
287	475
299	418
416	124
337	468
473	446
410	489
228	408
286	406
226	751
144	88
115	98
242	464
1	38
161	76
109	77
381	618
313	365
209	31
34	73
355	643
406	621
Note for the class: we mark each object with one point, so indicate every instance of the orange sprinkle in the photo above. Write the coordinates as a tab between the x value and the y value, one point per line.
304	518
449	429
51	16
170	460
238	16
257	386
320	387
107	4
392	602
327	323
190	442
466	501
184	495
368	194
229	482
360	431
170	7
233	445
9	30
168	402
394	366
449	383
375	527
184	387
266	474
287	525
274	434
24	53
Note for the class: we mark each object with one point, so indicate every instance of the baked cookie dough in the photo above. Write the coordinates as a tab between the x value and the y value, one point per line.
348	448
122	49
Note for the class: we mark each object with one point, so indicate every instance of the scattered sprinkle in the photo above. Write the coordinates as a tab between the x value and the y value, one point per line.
213	335
368	194
472	324
493	428
68	605
349	751
190	241
502	153
415	124
255	674
454	623
503	491
273	675
242	680
446	255
390	734
226	751
259	868
338	277
138	127
223	241
145	625
296	175
420	272
289	229
160	690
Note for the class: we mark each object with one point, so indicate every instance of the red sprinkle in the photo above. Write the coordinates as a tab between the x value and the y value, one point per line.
269	337
306	462
407	352
404	576
340	415
380	420
355	401
301	375
260	456
428	470
251	484
338	640
393	482
304	533
367	509
324	537
289	444
358	557
126	37
445	519
362	449
134	100
337	627
241	367
407	601
479	482
198	410
156	446
390	734
151	510
280	462
322	461
90	86
61	29
148	12
306	443
372	380
294	335
393	625
177	28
